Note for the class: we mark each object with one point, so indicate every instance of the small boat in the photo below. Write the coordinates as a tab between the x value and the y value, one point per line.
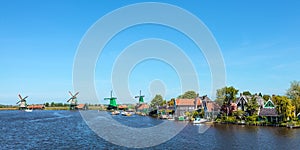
163	117
181	118
124	113
199	120
28	110
115	113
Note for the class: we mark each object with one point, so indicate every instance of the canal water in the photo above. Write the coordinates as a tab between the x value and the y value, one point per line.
67	130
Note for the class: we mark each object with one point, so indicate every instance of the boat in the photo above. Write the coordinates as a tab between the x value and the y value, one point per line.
199	120
181	118
115	113
28	110
124	113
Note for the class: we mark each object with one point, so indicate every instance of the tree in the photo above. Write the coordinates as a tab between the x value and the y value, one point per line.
52	104
188	95
46	104
224	95
294	93
284	106
171	102
157	101
266	97
252	106
247	93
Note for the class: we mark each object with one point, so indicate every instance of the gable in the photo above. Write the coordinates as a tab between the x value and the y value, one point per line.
269	104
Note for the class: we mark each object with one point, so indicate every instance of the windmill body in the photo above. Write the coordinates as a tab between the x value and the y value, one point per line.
112	102
141	97
73	101
22	102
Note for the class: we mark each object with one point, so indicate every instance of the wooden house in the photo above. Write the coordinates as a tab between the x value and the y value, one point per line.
242	102
187	105
143	107
269	111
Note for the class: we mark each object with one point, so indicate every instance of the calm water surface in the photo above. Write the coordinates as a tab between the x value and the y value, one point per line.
67	130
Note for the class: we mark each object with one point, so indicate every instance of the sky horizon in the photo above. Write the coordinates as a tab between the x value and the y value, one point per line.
259	42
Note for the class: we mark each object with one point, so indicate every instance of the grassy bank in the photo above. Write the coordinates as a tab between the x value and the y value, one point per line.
57	108
9	108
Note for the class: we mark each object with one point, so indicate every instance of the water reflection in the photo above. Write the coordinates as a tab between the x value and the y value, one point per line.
67	130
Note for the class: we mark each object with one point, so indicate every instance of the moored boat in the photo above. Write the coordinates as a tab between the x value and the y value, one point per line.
115	113
199	120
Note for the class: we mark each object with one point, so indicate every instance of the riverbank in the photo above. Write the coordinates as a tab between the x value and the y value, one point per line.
53	108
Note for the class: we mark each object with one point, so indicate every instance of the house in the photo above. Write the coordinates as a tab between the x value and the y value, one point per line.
242	102
122	107
82	107
269	111
40	107
166	110
143	107
228	108
213	109
259	100
187	105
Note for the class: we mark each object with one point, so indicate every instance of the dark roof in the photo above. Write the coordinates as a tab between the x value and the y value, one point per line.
242	98
260	100
268	112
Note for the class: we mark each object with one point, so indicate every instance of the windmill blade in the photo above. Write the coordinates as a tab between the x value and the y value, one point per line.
70	93
142	96
20	97
18	102
25	98
69	99
76	94
137	97
107	98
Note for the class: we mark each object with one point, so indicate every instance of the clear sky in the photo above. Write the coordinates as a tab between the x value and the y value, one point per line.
259	41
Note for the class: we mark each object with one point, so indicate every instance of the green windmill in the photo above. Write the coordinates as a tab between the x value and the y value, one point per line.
112	102
141	97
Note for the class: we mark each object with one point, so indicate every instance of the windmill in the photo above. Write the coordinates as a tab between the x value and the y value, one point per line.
22	102
141	97
112	102
73	100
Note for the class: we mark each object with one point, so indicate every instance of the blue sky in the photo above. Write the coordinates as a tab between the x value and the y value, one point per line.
259	41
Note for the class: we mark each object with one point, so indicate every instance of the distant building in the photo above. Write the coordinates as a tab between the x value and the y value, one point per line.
242	102
187	105
270	112
143	107
82	107
212	109
122	107
260	101
40	107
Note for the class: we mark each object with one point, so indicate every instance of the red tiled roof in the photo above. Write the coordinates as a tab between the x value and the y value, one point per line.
122	106
80	106
188	102
36	107
143	106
